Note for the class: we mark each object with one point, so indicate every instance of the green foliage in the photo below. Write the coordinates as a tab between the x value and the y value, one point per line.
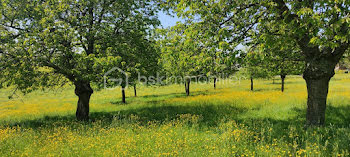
315	27
43	41
180	52
282	57
188	51
256	65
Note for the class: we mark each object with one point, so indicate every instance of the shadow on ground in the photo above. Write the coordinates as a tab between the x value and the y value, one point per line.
212	115
278	82
337	116
151	99
257	89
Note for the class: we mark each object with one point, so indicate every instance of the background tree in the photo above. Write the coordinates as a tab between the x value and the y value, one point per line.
319	28
344	63
282	58
140	60
182	57
221	57
255	66
147	59
48	40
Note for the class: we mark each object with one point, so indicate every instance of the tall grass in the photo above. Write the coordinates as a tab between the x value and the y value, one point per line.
162	121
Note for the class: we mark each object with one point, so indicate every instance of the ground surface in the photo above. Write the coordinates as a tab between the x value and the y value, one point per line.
162	121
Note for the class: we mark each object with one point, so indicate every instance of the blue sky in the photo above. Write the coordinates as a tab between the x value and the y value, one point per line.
167	20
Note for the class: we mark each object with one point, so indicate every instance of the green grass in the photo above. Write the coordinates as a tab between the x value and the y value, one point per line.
162	121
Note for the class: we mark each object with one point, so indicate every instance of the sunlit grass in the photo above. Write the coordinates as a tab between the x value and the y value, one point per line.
162	121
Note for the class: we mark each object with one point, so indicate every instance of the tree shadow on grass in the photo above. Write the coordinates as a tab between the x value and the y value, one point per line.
257	89
337	116
278	82
211	116
151	99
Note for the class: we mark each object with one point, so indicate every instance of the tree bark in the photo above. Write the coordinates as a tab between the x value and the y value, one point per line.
214	82
282	83
83	90
317	75
135	93
251	84
316	102
123	95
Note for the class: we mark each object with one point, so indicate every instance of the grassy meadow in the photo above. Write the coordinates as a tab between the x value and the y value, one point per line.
162	121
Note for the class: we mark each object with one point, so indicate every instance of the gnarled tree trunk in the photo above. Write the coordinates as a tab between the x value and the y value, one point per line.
282	82
83	90
317	76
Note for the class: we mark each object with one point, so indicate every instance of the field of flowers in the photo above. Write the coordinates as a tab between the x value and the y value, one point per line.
162	121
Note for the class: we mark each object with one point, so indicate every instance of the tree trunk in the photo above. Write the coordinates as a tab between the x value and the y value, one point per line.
83	90
135	90
251	84
123	95
282	85
317	75
319	69
215	83
188	87
316	101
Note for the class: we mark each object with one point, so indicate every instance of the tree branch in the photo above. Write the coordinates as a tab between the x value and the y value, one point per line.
239	10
